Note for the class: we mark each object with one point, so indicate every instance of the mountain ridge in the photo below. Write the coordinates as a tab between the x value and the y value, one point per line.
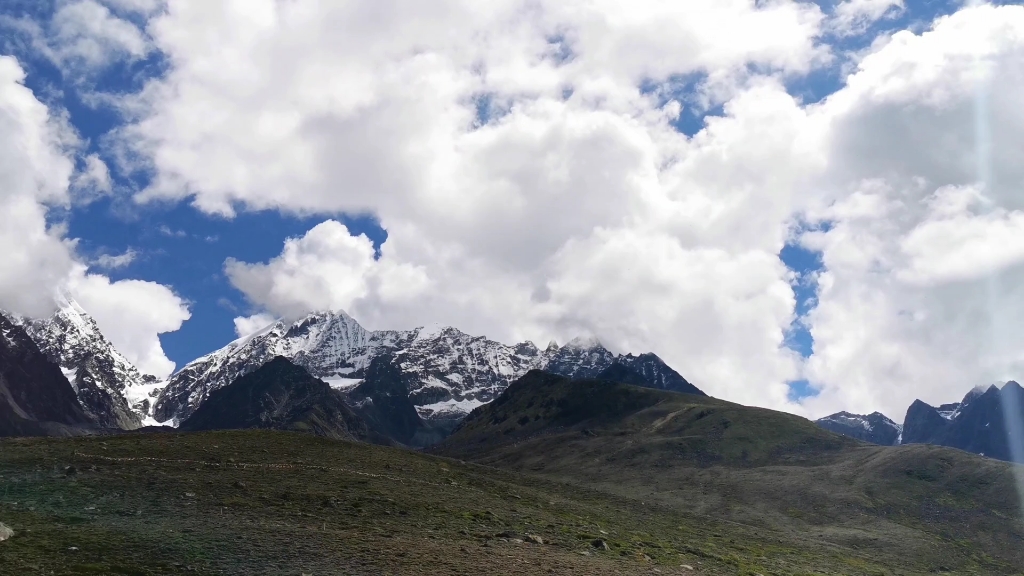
35	396
976	424
449	372
113	392
279	396
875	428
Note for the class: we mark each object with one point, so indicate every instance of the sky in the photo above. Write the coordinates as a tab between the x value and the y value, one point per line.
807	206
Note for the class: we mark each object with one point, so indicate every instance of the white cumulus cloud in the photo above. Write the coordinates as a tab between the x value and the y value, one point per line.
35	171
36	174
85	35
131	314
854	16
574	205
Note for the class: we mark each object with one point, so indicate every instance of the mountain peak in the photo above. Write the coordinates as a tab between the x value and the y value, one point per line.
449	372
431	330
876	427
278	395
584	343
1012	385
68	305
101	376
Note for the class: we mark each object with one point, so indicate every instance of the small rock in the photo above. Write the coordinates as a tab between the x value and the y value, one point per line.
73	549
70	471
239	484
534	538
5	532
686	567
599	544
515	541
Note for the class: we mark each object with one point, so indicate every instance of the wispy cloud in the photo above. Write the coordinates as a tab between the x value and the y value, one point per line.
167	231
115	261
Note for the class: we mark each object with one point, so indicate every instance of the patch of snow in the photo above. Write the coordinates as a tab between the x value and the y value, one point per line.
240	342
70	374
429	331
150	421
139	393
434	382
951	414
449	408
339	383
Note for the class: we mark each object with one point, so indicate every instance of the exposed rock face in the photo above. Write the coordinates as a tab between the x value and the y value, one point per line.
5	532
35	397
282	396
875	427
111	390
279	395
447	372
977	424
649	371
383	401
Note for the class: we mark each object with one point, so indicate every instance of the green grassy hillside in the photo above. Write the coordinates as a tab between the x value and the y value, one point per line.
911	509
581	478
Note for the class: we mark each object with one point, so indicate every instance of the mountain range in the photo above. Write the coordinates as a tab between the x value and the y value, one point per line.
428	378
448	372
412	387
681	477
977	424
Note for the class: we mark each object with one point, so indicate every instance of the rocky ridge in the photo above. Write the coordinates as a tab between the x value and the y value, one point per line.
875	427
449	373
112	391
35	396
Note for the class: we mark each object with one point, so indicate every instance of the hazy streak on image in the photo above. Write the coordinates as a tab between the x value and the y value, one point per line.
1011	405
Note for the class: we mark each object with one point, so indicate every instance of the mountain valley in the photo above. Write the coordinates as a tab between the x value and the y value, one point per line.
567	460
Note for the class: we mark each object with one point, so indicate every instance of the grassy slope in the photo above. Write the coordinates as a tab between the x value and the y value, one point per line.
268	502
913	509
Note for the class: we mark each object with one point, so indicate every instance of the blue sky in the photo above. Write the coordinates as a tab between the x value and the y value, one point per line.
179	246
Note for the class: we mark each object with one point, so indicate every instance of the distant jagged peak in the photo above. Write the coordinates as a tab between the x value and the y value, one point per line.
1013	385
434	330
67	304
526	345
552	346
588	342
333	318
851	417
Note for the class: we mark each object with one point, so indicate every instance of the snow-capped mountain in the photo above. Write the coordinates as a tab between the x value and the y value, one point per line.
112	391
450	372
875	427
35	397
